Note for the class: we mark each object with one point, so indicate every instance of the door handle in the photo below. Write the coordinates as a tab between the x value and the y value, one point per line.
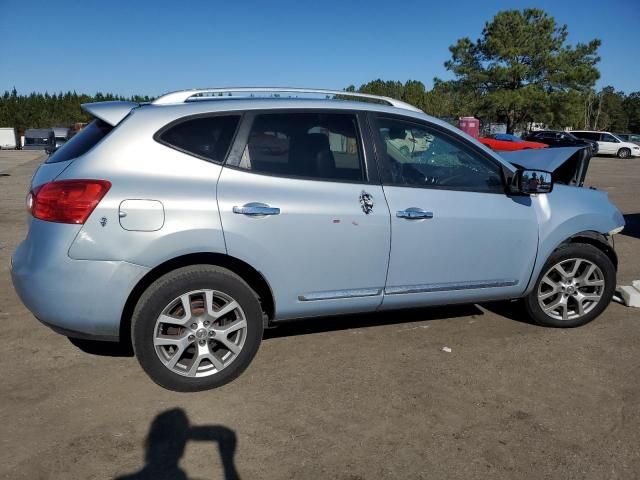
256	210
414	213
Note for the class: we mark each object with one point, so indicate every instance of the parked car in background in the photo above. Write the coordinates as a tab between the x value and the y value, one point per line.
7	138
36	138
58	136
629	137
181	225
504	142
609	144
555	138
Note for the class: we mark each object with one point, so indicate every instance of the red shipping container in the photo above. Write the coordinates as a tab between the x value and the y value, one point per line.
469	125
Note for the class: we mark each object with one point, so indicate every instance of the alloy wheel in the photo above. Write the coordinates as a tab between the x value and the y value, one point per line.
200	333
570	289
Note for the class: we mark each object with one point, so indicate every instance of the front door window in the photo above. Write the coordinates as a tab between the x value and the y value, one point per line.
424	157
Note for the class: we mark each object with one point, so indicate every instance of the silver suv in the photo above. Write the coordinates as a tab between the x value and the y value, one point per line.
189	224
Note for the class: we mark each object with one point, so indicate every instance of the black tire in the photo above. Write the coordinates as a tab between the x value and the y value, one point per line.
174	284
570	251
624	153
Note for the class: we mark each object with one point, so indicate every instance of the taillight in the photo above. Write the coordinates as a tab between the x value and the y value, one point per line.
67	201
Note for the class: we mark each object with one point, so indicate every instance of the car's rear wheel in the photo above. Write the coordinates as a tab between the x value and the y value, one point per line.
576	284
624	153
197	328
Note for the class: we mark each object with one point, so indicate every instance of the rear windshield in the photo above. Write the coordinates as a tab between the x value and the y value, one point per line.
82	142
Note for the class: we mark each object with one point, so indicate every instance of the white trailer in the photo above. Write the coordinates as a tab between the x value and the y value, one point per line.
7	138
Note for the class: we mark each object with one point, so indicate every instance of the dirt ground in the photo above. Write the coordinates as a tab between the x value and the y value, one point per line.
359	397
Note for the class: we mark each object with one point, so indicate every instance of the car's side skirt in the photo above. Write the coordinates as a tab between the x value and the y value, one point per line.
444	287
337	294
403	289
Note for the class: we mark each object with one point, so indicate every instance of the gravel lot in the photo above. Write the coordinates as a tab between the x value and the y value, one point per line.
359	397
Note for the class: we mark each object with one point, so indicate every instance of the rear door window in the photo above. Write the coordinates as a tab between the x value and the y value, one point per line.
320	145
82	142
204	137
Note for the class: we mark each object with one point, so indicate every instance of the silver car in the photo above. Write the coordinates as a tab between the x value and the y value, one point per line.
187	225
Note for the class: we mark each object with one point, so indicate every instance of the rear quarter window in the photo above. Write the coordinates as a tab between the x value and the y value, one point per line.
204	137
82	142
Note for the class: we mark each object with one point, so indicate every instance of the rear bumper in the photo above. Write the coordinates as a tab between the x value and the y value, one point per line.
79	298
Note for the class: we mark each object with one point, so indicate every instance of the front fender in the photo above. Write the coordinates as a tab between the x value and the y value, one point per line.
569	211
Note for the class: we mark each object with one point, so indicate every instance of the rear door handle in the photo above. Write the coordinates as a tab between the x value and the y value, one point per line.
255	209
414	213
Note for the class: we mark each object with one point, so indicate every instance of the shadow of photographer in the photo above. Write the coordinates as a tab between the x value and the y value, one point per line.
166	442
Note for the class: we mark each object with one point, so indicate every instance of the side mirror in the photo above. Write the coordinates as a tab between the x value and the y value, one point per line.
534	181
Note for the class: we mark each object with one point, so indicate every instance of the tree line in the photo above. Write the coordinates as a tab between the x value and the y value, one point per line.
606	109
44	110
520	71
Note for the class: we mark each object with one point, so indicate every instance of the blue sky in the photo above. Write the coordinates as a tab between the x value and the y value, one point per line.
153	46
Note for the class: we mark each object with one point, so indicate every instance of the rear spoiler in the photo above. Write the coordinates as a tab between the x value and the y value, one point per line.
568	164
110	112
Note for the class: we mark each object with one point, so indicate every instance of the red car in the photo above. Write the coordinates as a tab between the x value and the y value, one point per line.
508	143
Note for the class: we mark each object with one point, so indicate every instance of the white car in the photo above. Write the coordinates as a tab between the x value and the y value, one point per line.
7	138
610	144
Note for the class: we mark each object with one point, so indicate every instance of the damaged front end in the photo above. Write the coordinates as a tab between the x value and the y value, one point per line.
568	165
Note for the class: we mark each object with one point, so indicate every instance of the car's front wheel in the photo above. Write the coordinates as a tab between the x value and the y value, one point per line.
576	284
196	328
624	153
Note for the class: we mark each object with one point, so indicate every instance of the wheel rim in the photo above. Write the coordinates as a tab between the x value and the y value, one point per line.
571	289
200	333
624	153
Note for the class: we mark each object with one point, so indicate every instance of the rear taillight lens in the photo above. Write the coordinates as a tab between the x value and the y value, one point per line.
67	201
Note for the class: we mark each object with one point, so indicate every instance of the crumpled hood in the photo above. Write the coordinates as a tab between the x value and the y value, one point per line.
568	164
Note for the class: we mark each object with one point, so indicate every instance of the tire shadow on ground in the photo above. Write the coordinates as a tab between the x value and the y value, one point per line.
312	325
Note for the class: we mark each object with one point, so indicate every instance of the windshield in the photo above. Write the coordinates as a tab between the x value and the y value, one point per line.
82	142
569	135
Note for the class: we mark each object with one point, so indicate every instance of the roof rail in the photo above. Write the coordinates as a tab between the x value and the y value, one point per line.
182	96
